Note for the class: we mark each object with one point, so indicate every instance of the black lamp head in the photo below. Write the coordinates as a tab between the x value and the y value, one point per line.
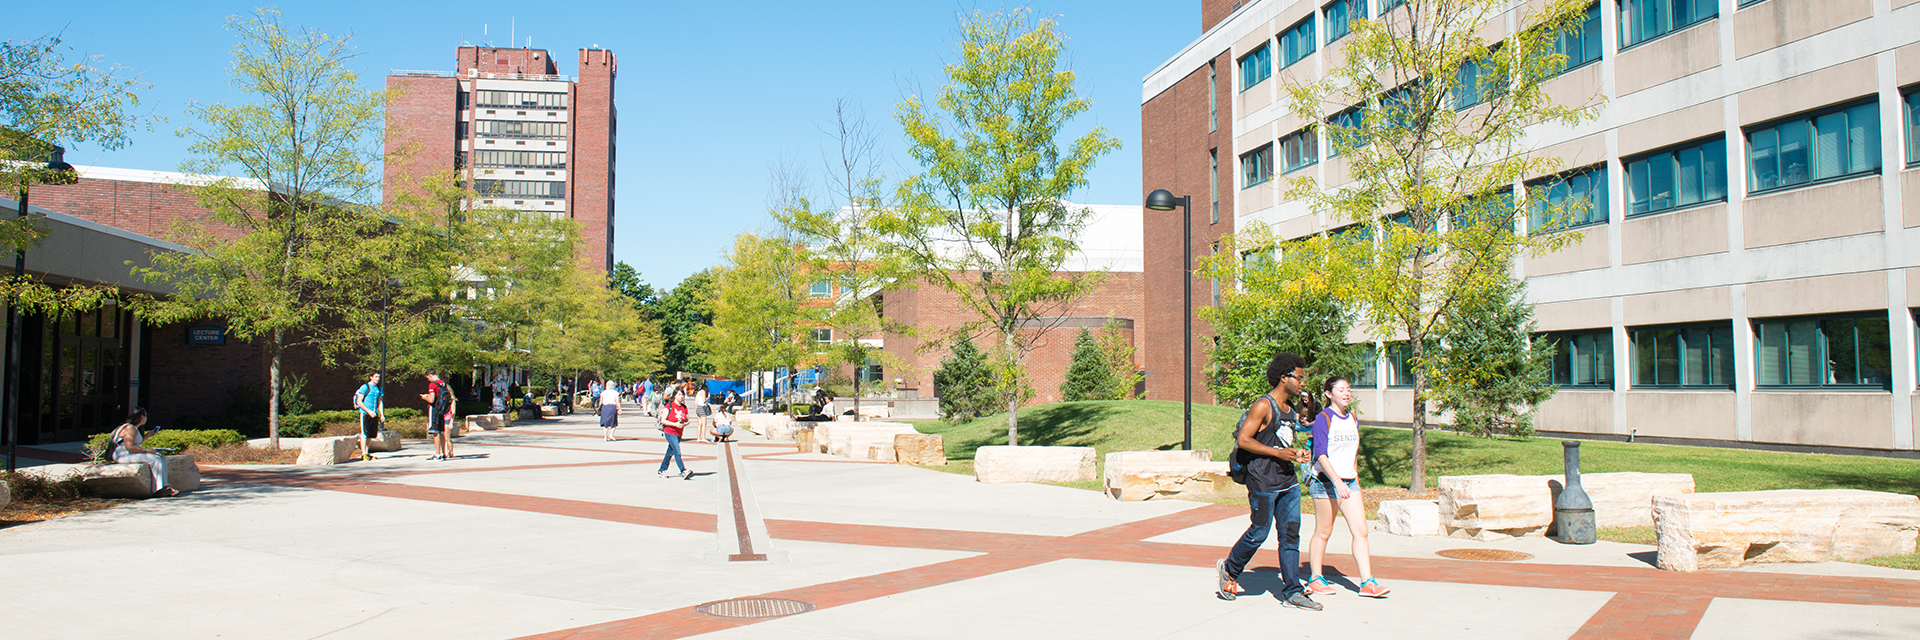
1162	200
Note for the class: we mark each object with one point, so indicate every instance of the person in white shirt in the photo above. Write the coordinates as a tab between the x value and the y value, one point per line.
609	411
1336	482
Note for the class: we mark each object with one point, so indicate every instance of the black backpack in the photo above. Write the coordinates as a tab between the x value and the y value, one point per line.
1237	460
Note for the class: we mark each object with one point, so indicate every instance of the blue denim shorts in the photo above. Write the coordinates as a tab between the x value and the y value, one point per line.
1322	489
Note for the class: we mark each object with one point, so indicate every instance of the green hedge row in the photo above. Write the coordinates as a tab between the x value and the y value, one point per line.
184	440
300	426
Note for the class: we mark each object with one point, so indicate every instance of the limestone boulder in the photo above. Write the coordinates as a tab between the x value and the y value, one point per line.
123	480
486	422
1625	499
325	451
866	440
1411	518
387	442
927	449
1003	463
776	427
1153	475
1495	507
183	474
1720	530
549	411
803	440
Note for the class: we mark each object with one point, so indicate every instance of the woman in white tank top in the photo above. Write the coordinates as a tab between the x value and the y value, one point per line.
1335	483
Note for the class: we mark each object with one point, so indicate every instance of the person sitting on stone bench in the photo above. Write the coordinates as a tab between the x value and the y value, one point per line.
125	446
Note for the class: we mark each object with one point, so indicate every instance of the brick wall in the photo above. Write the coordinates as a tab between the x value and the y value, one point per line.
937	313
147	208
1214	11
497	60
592	163
197	378
421	134
1175	146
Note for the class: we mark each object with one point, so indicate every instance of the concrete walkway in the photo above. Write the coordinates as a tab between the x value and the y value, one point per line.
544	530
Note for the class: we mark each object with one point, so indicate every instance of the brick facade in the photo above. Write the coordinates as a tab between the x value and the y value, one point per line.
199	378
421	132
148	208
1176	144
937	313
595	125
1213	11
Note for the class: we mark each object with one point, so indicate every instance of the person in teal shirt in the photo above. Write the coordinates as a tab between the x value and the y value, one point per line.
373	412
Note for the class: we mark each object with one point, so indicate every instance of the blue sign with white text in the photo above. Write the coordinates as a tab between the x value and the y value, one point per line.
206	335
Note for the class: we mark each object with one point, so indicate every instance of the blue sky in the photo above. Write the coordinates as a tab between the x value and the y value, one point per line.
710	94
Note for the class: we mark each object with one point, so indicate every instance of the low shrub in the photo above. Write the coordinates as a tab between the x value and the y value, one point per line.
183	439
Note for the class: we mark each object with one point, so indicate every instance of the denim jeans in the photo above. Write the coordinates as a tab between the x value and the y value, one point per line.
673	454
1281	507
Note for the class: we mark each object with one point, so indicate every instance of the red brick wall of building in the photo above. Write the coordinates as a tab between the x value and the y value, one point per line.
146	208
937	313
592	161
196	378
421	136
1175	146
1213	11
495	60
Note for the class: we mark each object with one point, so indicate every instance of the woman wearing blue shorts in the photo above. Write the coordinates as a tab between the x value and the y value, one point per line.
1336	443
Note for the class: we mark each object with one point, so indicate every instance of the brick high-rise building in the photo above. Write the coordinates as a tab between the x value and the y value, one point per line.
525	135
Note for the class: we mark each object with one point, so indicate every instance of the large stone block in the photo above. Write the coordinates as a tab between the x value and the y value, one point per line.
123	480
803	440
1625	499
1718	530
1002	463
1494	507
387	442
486	421
866	440
777	428
1151	475
927	449
1411	518
183	474
549	411
325	451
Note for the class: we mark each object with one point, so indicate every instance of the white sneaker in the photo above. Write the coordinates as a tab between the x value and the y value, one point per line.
662	473
686	475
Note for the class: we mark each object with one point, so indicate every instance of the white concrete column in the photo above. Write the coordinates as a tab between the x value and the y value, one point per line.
1900	324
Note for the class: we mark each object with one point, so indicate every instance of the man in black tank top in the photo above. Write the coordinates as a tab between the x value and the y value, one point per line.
1273	486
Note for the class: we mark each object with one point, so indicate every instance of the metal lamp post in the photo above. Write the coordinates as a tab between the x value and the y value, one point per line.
1163	200
56	172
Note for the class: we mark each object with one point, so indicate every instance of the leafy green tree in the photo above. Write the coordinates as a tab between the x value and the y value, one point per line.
682	313
1442	139
964	383
758	322
1088	375
1487	374
47	98
1277	308
303	154
986	219
626	280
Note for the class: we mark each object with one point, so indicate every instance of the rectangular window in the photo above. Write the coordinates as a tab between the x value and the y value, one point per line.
1400	105
1581	358
1643	20
1213	98
520	159
1366	377
1256	167
1808	149
1677	177
1913	126
872	373
1683	356
1213	181
1582	46
823	335
518	99
1297	42
1400	364
518	129
1340	16
1389	5
528	188
1256	67
820	289
1299	149
1344	130
1574	199
1827	351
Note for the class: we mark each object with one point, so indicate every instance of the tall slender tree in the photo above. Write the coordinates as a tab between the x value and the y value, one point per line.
986	219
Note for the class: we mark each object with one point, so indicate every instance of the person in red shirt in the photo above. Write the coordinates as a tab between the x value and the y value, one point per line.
439	399
673	421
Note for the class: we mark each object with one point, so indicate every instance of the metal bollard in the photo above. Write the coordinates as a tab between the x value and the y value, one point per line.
1573	517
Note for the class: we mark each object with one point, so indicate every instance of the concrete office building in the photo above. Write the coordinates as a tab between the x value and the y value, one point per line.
1750	271
523	134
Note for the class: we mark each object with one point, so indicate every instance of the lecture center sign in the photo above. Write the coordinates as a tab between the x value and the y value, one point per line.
206	335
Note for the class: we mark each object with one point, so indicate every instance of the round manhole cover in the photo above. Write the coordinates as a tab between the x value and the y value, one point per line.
754	608
1490	555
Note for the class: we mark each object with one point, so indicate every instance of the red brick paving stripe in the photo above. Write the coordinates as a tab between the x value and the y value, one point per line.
1634	616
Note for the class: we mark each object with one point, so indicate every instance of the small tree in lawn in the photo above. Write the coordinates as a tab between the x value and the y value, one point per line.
1276	307
986	219
1088	375
964	383
1488	374
1438	136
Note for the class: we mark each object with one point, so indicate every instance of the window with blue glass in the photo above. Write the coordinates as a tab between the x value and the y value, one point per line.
1366	377
1806	149
1643	20
1400	363
1297	42
1389	5
1824	351
1580	358
1678	176
1478	80
1581	46
1343	131
1340	16
1913	126
1496	208
1299	150
1683	356
1573	199
1256	166
1256	67
1400	105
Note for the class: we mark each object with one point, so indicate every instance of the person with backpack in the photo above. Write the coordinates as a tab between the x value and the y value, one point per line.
1263	459
370	400
1335	479
127	444
673	419
439	399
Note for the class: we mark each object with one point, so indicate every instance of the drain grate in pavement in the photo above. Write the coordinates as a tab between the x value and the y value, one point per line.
754	608
1489	555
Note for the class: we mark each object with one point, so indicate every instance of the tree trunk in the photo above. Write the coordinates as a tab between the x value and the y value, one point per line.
856	389
1417	484
273	391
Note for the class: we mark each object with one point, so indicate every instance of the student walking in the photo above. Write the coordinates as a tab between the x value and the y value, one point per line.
439	399
370	400
1335	482
1265	439
609	412
673	419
